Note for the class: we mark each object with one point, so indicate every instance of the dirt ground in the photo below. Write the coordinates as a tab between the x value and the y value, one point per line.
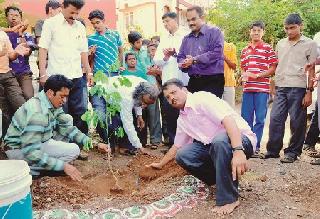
269	190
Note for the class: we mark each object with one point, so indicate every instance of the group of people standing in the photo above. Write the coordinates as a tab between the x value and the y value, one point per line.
183	77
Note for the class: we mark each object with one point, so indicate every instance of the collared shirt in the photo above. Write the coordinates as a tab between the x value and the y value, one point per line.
170	68
107	49
292	59
127	105
201	120
206	49
4	60
21	64
137	73
257	59
36	122
229	51
64	43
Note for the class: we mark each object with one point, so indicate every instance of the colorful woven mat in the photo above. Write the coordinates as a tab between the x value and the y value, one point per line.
186	196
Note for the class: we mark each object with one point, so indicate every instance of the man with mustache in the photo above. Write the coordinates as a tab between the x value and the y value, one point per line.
40	131
201	54
64	41
212	142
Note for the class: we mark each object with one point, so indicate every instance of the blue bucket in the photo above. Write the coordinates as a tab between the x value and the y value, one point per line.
15	197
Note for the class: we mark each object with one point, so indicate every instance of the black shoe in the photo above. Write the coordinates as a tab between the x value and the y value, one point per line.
268	155
287	159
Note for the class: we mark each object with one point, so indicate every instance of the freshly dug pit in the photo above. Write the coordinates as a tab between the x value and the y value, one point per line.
135	182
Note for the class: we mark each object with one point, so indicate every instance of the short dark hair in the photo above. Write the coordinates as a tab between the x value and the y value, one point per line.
152	44
12	8
257	24
145	42
156	38
75	3
96	14
57	82
293	18
172	15
134	36
54	4
173	81
129	54
198	9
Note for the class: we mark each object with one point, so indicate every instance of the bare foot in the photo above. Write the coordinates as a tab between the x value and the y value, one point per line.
226	209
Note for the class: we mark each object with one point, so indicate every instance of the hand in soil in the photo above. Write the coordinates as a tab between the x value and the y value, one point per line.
155	166
104	148
72	172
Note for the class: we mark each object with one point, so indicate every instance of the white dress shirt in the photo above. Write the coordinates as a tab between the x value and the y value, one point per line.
127	105
170	68
64	43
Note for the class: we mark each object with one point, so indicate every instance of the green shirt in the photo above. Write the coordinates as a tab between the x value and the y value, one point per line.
36	122
137	73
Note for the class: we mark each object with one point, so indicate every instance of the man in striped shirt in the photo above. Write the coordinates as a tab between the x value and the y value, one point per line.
258	63
107	44
40	131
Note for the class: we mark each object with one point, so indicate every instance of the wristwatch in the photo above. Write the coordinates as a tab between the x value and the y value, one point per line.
310	89
194	61
238	148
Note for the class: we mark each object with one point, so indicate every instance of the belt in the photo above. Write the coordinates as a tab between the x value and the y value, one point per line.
206	76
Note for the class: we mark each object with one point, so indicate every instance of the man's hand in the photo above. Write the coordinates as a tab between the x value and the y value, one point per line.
92	50
187	62
90	79
157	166
122	68
72	172
307	100
249	74
154	70
239	164
43	78
140	122
22	49
104	148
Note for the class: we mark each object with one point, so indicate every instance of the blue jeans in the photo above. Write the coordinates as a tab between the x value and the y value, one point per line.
212	164
287	100
255	105
153	122
77	103
170	117
313	131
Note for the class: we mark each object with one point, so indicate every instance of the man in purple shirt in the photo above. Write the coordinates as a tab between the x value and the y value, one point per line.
20	66
201	54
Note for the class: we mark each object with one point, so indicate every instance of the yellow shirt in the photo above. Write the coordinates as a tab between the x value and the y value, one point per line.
4	60
230	53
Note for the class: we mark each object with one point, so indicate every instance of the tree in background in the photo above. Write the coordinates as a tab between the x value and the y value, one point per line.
235	17
3	21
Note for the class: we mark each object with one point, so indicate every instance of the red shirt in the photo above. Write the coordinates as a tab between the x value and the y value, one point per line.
257	60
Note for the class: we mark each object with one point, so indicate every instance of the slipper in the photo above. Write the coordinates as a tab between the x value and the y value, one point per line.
315	162
287	159
268	155
256	155
154	146
315	154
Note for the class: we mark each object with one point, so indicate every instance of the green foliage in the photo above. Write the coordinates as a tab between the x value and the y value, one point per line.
235	17
3	20
112	98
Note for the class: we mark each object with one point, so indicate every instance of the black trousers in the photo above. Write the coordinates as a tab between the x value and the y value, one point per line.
210	83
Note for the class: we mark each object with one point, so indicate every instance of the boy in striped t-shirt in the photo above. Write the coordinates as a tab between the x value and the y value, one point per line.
258	63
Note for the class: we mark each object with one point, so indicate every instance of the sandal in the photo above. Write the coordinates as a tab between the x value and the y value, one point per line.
287	159
268	155
154	146
315	162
